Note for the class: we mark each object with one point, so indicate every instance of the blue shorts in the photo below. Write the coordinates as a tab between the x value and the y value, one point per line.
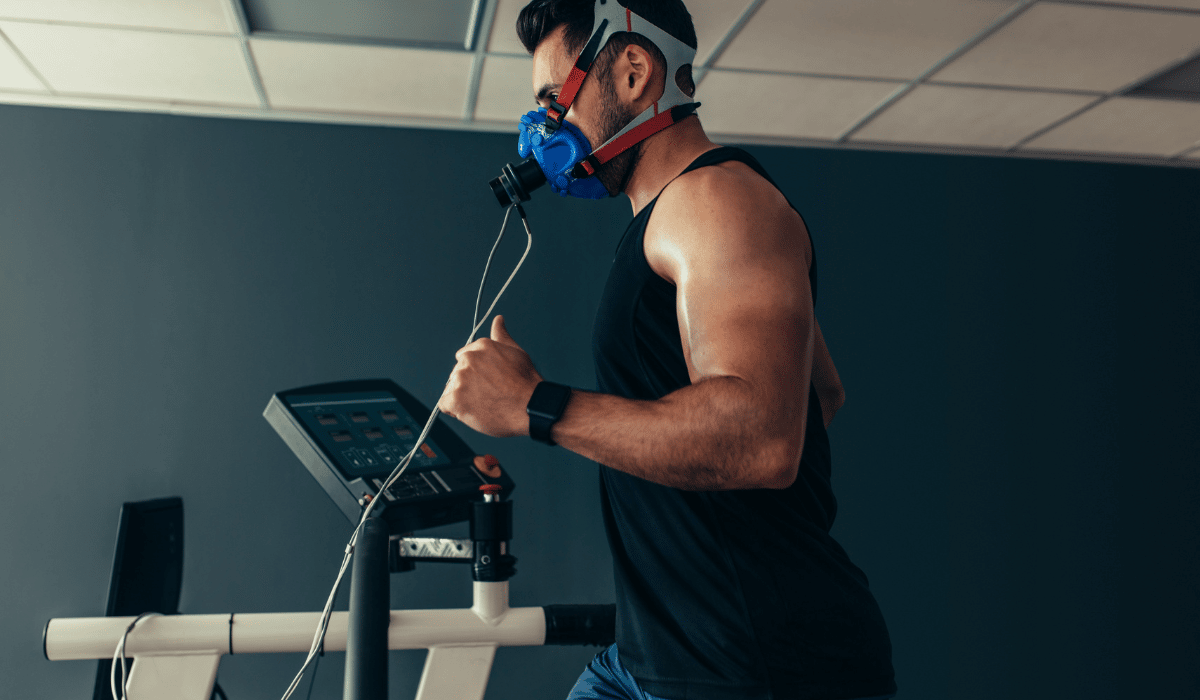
606	679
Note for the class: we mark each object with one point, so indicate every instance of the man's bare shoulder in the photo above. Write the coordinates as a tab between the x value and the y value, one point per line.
726	210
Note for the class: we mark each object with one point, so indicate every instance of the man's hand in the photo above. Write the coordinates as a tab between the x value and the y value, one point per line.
491	385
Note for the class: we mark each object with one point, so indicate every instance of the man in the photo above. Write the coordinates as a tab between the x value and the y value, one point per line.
715	389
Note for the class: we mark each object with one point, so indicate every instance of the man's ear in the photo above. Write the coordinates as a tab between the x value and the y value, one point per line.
637	72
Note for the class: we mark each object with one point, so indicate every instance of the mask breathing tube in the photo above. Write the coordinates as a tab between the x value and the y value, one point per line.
517	181
555	151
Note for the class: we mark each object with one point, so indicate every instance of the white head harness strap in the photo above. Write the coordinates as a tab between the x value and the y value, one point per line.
610	18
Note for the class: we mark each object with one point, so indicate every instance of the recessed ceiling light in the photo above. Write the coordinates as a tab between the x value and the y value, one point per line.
445	24
1179	83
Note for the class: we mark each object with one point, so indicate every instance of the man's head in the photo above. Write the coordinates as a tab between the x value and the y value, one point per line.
625	78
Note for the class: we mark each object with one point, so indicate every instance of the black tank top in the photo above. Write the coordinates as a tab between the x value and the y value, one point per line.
725	594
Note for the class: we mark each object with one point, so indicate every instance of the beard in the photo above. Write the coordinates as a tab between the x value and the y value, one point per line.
615	173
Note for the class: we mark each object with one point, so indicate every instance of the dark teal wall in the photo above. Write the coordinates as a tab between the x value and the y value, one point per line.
1015	462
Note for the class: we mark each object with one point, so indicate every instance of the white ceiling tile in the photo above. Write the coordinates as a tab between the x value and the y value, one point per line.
14	74
821	108
190	15
1183	4
960	116
504	28
713	19
505	89
1127	125
869	38
135	63
1078	47
353	78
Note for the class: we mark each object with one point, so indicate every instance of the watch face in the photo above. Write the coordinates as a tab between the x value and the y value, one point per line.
545	407
548	400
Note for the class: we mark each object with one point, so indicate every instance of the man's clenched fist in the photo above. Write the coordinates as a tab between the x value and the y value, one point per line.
491	384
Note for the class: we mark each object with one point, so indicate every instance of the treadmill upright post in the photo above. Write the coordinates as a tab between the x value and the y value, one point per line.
367	634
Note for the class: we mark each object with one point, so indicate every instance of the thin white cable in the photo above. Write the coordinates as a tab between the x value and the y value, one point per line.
119	659
488	265
477	321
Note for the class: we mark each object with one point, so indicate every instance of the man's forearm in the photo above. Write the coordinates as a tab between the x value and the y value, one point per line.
712	435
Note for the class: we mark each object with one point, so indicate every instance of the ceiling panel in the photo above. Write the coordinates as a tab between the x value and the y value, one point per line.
504	28
1078	47
135	63
820	108
1127	125
960	116
190	15
14	74
319	77
869	38
713	19
505	89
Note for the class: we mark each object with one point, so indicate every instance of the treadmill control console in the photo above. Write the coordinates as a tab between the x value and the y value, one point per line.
351	435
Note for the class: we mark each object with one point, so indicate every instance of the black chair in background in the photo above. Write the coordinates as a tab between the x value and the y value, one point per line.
147	568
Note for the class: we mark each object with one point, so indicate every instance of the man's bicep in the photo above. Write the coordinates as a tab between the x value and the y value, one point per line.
745	306
751	319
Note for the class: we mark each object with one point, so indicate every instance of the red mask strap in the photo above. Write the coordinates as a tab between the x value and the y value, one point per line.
641	132
558	108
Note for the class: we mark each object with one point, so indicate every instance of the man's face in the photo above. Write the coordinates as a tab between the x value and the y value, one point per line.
597	110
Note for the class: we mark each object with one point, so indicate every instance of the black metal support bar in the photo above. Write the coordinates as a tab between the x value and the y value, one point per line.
367	636
584	625
491	529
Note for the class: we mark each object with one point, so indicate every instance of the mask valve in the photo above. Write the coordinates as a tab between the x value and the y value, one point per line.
517	181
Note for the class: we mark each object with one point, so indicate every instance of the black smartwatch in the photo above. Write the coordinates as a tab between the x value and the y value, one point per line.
545	407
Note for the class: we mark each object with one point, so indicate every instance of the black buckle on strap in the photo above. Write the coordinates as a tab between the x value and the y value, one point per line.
555	113
578	171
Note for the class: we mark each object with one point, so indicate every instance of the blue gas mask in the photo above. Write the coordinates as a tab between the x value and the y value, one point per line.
557	152
551	152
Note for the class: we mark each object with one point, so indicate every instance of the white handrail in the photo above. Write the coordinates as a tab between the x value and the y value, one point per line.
489	621
265	633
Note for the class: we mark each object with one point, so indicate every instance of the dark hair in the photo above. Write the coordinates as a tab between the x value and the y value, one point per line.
540	18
